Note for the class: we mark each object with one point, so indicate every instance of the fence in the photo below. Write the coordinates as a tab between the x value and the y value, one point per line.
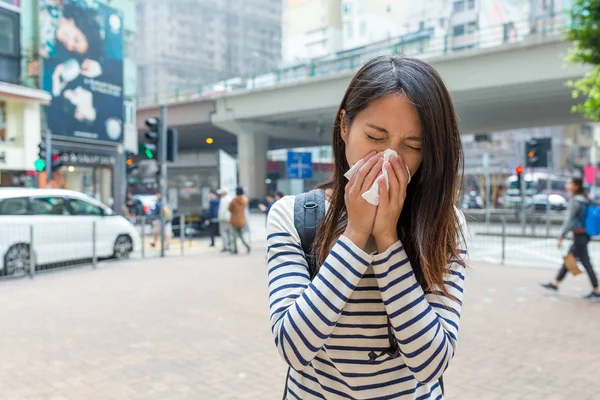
506	243
55	247
27	249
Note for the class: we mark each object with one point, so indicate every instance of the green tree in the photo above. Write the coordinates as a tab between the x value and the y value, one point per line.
585	35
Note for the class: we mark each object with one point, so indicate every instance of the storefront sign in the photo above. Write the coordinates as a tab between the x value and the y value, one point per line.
81	44
78	158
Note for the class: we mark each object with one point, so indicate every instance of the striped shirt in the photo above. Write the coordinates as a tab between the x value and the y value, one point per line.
325	329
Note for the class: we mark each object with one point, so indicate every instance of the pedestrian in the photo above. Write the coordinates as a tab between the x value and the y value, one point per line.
163	207
239	220
130	208
575	222
212	220
224	220
269	200
380	318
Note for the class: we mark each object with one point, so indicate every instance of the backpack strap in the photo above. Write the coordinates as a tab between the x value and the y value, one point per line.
309	211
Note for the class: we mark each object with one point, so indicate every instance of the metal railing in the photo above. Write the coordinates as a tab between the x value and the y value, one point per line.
507	243
27	249
420	44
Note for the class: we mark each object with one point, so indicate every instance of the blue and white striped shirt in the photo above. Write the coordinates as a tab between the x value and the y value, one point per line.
325	329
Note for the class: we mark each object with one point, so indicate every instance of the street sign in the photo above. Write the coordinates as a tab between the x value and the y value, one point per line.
299	165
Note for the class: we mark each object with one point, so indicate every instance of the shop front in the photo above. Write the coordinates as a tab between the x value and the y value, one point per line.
93	172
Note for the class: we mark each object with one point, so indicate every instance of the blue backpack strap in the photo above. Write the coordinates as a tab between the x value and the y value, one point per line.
309	211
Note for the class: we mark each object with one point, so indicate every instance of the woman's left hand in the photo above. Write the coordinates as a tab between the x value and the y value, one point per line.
390	203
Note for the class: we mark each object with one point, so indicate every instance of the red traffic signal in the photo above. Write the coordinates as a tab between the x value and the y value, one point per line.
519	170
55	157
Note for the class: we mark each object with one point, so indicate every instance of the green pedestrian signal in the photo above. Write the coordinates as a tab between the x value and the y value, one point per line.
149	153
40	165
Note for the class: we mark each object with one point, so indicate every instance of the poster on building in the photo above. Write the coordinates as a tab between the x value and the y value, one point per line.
81	45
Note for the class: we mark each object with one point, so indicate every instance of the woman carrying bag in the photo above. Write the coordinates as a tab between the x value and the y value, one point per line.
575	222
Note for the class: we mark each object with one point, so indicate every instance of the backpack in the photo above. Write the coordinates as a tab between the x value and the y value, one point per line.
591	221
309	211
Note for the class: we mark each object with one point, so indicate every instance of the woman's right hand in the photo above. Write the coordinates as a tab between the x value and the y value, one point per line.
361	213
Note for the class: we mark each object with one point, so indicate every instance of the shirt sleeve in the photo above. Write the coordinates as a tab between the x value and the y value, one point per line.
303	314
573	212
425	324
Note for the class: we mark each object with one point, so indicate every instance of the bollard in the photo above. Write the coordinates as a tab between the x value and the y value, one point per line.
142	236
503	240
182	232
94	256
31	253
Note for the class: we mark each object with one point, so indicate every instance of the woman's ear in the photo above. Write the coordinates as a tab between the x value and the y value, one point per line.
343	126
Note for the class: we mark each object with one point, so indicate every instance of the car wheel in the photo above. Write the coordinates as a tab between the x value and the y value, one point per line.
17	258
123	247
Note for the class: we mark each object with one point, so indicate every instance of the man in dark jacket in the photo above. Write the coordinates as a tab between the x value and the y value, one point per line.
212	221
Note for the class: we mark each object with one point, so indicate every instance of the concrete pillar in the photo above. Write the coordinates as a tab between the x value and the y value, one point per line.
252	155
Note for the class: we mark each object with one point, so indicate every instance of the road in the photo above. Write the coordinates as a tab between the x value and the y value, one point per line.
196	327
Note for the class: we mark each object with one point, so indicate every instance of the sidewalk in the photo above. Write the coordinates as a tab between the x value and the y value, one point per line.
196	327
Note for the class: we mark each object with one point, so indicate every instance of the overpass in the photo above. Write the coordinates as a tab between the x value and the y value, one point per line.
508	86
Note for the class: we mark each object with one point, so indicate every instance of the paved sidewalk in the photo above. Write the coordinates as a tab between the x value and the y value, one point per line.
197	328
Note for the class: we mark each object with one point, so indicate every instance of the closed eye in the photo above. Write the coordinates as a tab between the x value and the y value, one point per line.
374	138
413	148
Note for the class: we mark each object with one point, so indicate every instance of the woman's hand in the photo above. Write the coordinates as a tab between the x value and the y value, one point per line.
361	214
390	203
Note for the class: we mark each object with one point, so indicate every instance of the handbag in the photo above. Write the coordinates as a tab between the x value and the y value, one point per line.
571	263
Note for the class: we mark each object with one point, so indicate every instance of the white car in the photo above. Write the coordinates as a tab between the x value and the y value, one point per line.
62	223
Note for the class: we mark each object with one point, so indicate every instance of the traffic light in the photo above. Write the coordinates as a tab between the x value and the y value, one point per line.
40	163
172	144
56	162
519	171
130	162
150	148
536	151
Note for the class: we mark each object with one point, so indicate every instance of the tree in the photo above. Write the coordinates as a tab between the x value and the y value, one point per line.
585	35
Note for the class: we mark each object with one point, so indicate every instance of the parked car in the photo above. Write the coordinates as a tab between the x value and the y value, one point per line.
61	223
538	202
144	204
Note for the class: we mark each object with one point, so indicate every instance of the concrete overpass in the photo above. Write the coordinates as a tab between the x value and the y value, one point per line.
509	86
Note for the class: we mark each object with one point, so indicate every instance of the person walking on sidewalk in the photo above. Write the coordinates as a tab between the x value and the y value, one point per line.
575	223
224	219
212	220
367	304
238	219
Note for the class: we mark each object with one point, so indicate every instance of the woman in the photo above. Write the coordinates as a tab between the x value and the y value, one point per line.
396	263
574	222
239	219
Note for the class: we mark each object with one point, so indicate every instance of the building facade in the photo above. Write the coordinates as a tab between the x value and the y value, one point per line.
184	43
20	101
92	88
310	29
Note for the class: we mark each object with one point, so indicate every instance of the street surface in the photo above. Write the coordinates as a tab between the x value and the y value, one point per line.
196	327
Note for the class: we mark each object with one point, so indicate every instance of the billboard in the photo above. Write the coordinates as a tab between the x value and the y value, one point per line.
81	45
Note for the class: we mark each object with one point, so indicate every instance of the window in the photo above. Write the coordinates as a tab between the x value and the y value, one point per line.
459	6
80	207
442	22
349	31
7	35
471	4
389	9
16	206
49	206
458	30
347	9
471	27
363	28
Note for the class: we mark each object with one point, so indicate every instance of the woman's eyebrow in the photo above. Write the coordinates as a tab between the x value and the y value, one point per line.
380	129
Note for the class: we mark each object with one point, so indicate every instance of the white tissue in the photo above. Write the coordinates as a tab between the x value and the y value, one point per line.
372	195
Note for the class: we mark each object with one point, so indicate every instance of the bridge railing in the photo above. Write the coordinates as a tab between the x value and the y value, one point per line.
421	44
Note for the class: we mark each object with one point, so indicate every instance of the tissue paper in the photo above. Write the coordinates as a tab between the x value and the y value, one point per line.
372	195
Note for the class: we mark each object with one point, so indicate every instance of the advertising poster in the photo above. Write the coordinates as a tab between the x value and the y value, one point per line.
81	45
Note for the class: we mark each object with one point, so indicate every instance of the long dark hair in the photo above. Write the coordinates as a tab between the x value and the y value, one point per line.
85	20
579	184
428	226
